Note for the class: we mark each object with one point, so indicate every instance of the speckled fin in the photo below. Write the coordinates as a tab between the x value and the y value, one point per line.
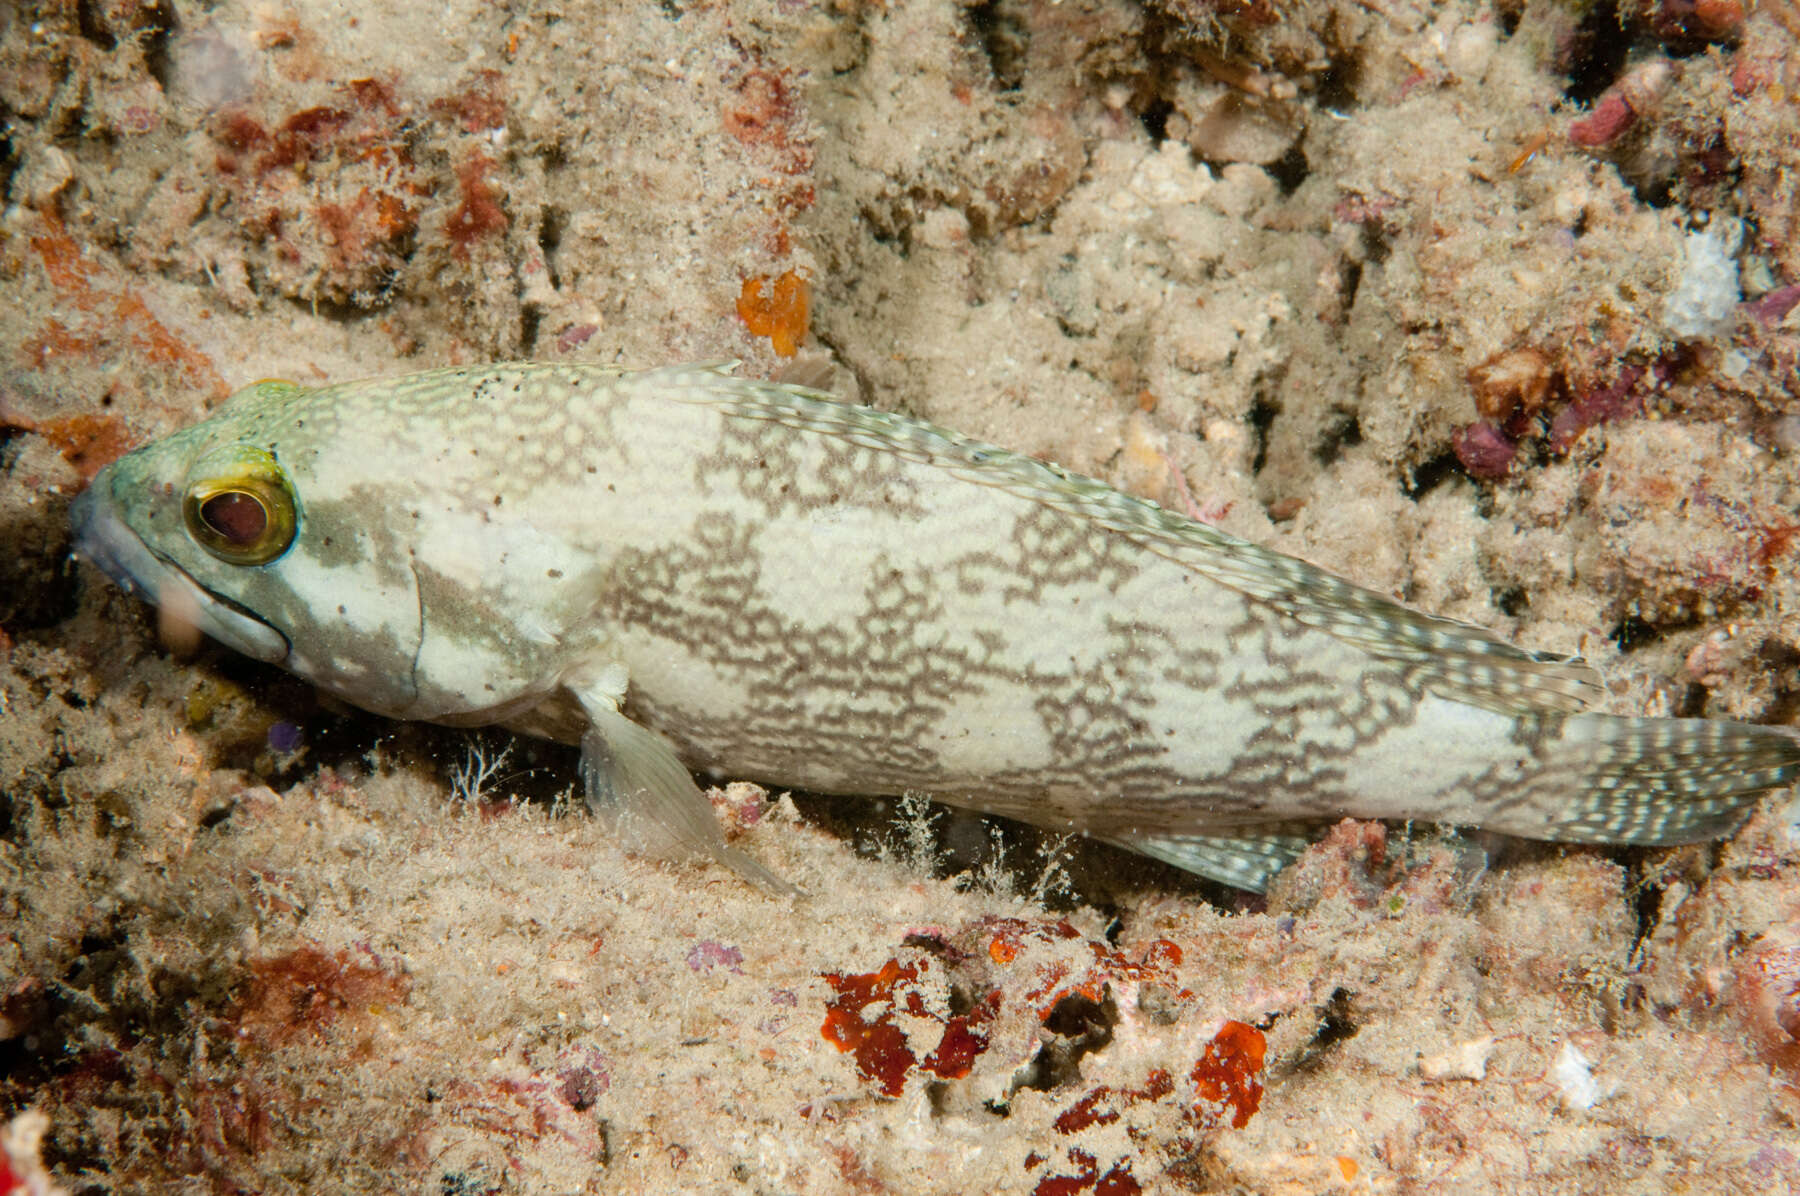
1455	660
1649	780
1241	861
636	784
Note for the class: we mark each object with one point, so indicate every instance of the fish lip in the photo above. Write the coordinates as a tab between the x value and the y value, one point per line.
106	541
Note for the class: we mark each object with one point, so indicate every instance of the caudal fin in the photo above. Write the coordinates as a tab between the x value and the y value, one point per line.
1604	779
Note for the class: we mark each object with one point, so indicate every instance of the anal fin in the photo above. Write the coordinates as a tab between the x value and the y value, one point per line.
637	785
1243	861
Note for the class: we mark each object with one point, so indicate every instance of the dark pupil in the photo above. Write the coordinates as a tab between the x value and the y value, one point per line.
236	516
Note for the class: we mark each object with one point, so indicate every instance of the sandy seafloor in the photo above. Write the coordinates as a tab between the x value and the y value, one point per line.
1490	307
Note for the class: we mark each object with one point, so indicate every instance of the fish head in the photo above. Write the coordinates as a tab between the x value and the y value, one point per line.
244	527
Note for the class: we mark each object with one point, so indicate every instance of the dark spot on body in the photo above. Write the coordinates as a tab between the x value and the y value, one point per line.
553	573
496	500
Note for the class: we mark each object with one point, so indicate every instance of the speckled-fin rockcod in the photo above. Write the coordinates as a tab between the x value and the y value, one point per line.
681	569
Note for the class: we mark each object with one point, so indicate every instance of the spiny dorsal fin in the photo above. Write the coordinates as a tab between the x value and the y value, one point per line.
1454	660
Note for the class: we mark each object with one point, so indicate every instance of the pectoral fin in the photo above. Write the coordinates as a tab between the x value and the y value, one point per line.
638	786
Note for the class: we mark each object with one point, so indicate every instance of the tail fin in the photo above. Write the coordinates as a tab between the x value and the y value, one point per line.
1604	779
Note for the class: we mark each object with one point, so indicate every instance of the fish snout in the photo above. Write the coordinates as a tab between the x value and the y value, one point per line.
105	540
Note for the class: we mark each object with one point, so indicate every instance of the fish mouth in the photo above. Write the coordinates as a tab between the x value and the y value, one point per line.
106	541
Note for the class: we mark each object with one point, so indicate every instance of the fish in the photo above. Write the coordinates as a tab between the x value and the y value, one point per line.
684	570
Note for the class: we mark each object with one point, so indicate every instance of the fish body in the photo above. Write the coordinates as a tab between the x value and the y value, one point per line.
684	570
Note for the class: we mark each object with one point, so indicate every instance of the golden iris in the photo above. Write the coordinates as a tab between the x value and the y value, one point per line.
239	505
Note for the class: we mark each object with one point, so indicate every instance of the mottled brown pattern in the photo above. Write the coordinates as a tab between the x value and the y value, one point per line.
704	596
853	705
761	460
1055	549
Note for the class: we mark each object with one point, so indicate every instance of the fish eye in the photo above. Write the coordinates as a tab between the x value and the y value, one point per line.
236	515
239	506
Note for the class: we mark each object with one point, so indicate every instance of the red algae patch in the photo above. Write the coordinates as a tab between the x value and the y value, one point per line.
305	992
778	311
